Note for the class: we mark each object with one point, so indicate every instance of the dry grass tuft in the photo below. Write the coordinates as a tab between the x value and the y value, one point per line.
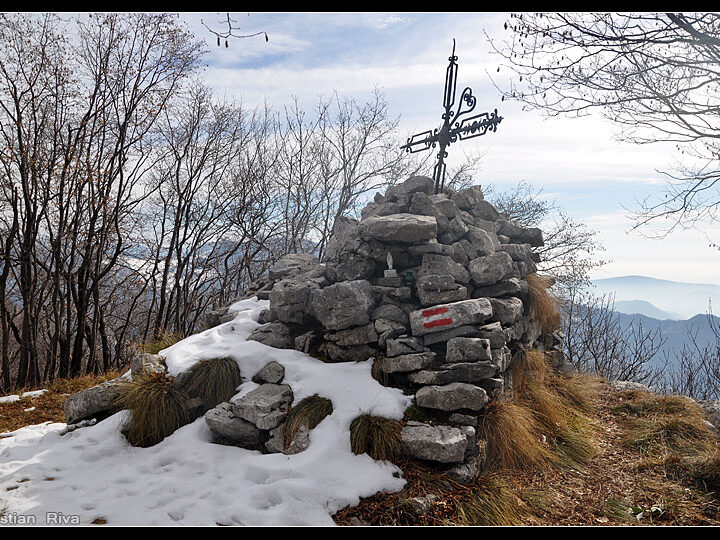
309	413
494	503
543	303
529	365
671	434
578	390
513	437
157	408
377	437
213	381
544	424
160	342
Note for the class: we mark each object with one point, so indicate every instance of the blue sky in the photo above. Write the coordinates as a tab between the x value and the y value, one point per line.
575	161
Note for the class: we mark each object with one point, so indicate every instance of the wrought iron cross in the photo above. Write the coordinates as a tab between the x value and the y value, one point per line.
453	128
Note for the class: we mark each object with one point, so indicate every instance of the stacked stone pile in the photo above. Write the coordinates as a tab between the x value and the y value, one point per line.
429	287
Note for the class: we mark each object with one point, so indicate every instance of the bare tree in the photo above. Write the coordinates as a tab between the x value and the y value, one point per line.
597	342
571	248
77	101
655	75
694	370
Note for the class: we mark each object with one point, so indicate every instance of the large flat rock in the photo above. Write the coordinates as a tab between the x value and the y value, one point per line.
399	228
447	316
443	444
343	305
452	397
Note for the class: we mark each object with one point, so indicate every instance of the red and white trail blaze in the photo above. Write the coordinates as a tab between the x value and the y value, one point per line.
436	317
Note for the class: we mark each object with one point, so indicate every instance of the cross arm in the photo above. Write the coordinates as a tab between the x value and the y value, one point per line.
421	141
475	126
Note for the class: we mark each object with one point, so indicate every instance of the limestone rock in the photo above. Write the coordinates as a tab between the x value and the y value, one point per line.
468	198
400	228
289	299
414	184
443	444
274	334
272	373
223	422
343	305
266	406
507	310
88	403
502	358
446	335
293	264
483	242
465	372
512	286
403	345
358	335
439	265
494	333
439	289
276	444
628	385
452	397
407	362
490	269
447	316
521	235
147	363
464	349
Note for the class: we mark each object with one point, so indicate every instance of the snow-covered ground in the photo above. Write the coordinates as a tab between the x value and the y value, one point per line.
188	480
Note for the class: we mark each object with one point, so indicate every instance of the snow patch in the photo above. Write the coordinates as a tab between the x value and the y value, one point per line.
188	480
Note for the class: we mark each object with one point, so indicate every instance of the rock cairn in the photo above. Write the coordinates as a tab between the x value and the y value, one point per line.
431	289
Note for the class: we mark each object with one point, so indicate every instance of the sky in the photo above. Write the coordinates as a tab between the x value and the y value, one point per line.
576	162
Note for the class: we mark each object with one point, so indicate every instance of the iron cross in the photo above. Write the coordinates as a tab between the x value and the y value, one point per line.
453	129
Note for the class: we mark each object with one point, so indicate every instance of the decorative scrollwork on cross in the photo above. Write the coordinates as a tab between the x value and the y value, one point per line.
454	128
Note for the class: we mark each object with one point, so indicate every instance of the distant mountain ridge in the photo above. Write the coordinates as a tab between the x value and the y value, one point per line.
659	298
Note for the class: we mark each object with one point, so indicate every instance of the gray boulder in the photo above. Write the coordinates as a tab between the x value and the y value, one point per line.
274	334
484	243
293	264
266	406
289	299
276	444
464	349
403	345
272	373
346	254
343	305
447	316
439	289
399	228
88	403
712	410
452	397
509	287
439	265
414	184
225	424
466	372
490	269
521	235
507	310
468	198
407	362
147	363
358	335
443	444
